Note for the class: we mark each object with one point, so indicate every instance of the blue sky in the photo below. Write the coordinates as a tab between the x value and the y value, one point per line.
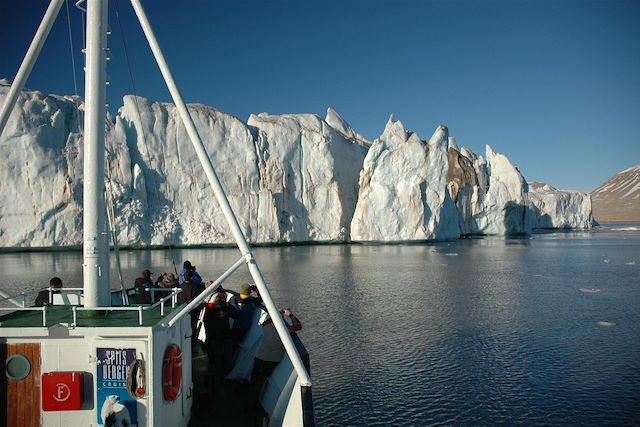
553	85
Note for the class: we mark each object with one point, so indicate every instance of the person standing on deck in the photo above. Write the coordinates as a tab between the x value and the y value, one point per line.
55	284
270	352
166	280
244	306
189	292
164	284
216	324
142	286
196	280
196	283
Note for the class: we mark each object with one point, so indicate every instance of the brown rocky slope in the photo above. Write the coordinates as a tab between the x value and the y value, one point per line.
618	199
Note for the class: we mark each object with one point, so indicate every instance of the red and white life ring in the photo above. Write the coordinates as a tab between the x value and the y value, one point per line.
172	373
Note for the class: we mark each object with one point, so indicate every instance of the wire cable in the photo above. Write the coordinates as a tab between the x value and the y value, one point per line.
73	61
133	83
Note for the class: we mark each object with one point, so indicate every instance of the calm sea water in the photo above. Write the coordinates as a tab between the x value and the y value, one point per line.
537	331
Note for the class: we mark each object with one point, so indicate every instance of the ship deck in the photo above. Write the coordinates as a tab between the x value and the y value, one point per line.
224	404
63	314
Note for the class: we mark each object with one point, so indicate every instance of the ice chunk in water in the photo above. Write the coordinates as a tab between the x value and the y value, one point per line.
607	325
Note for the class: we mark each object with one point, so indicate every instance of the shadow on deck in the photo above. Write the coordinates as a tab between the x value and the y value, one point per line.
224	404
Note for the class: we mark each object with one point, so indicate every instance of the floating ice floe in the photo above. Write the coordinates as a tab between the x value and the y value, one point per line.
589	290
631	263
607	261
451	254
603	324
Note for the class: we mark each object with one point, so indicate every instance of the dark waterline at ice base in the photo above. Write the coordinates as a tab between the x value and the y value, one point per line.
539	331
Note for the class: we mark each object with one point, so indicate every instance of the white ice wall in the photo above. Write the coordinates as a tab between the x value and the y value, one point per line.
289	178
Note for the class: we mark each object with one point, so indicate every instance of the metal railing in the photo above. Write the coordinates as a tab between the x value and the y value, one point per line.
140	309
42	309
12	298
173	296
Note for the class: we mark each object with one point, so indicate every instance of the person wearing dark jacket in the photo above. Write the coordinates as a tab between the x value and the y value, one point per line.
142	286
244	307
189	292
55	284
216	323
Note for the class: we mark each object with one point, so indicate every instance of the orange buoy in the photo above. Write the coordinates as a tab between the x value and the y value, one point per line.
172	373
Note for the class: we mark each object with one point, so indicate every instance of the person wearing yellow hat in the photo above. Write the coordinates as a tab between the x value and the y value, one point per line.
244	304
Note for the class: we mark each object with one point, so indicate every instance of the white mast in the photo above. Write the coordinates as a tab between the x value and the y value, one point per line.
95	241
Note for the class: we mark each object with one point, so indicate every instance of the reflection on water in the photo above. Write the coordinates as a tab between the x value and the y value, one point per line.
473	332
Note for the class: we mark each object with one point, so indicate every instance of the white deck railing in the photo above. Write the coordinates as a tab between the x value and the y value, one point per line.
42	309
140	309
173	296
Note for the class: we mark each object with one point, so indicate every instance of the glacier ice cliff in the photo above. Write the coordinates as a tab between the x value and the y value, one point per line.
553	208
421	190
403	189
289	178
40	171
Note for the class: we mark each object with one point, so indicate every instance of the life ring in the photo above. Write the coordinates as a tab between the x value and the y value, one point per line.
136	379
172	373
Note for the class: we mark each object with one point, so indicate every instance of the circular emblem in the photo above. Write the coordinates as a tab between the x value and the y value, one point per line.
62	392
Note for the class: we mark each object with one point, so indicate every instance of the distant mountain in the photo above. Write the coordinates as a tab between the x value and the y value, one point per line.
618	199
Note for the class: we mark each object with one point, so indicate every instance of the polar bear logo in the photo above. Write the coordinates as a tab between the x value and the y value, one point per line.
115	414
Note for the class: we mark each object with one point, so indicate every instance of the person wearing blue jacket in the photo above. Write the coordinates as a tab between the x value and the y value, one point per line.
196	280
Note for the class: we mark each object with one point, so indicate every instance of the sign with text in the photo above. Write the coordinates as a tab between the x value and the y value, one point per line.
115	404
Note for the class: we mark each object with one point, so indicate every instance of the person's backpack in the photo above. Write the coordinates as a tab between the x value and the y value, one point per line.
196	280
